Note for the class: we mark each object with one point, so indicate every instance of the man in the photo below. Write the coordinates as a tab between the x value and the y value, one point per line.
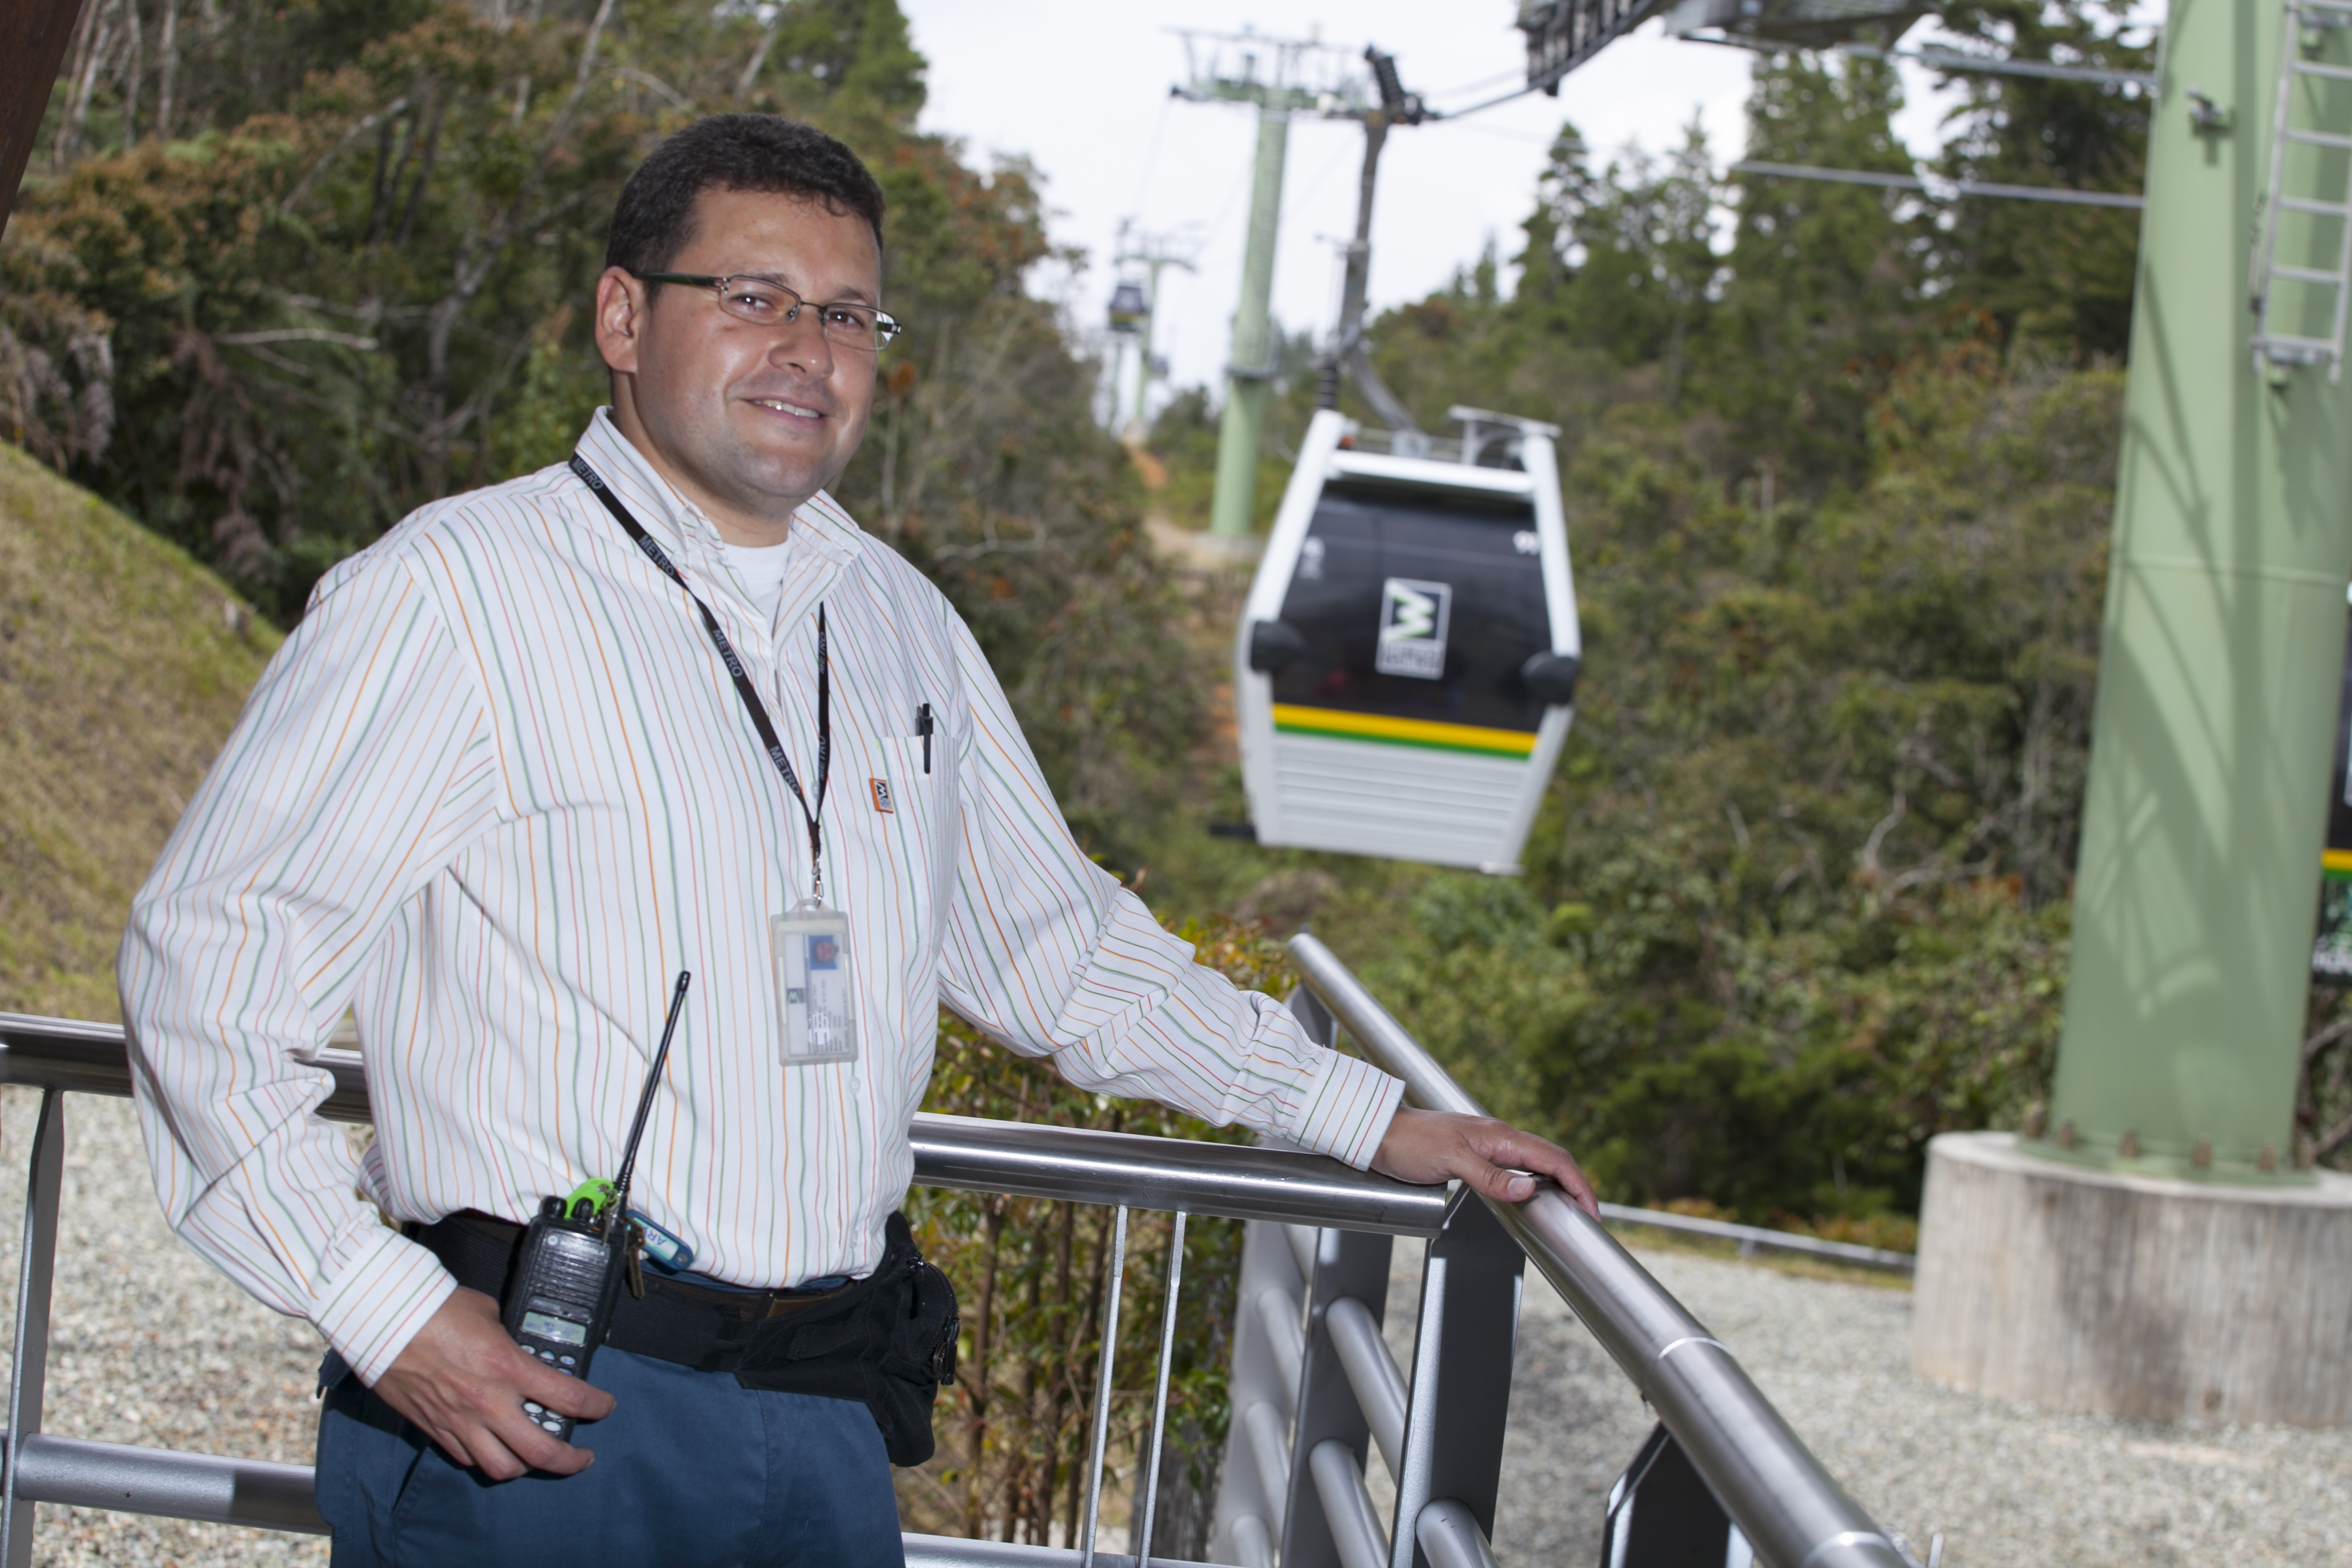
500	787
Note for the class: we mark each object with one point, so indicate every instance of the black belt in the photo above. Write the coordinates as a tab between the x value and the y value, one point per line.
887	1341
677	1320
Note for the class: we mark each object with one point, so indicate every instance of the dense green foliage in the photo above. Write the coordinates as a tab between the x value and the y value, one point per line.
2058	277
353	280
1802	906
1837	466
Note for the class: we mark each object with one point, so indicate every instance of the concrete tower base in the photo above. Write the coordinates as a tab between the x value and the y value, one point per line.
2085	1290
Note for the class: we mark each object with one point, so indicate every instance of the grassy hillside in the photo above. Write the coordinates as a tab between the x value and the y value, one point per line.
122	665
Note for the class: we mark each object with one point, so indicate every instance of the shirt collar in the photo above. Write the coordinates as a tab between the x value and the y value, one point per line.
825	526
820	525
669	517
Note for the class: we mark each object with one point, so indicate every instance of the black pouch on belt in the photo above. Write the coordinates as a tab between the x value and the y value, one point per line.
887	1342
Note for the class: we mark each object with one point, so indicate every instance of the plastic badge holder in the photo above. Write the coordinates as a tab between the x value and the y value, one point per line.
813	984
663	1246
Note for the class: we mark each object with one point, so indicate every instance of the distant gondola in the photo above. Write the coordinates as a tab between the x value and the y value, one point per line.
1406	664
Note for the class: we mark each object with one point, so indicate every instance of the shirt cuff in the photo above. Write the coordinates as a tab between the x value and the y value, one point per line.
1346	1111
375	1302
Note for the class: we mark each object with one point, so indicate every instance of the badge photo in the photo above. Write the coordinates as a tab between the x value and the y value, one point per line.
817	1021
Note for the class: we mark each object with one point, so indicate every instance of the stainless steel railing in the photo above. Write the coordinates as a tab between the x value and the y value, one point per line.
1070	1163
1314	1287
1075	1164
1752	1239
1788	1508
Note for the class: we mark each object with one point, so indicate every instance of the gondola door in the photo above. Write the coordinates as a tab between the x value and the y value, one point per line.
1408	655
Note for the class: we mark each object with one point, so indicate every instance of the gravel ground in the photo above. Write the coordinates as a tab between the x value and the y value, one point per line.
148	1344
2007	1485
151	1347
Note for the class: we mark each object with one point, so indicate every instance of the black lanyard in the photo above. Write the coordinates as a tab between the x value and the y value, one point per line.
744	687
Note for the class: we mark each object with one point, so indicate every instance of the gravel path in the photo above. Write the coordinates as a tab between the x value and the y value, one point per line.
149	1344
2008	1486
151	1347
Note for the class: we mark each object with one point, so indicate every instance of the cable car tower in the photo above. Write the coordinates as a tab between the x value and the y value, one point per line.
1134	310
1281	77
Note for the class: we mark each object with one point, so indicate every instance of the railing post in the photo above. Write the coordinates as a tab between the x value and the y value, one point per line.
1103	1377
1251	1483
1347	1264
28	1371
1147	1481
1461	1387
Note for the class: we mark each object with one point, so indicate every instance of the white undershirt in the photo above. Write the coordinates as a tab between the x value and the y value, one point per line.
760	569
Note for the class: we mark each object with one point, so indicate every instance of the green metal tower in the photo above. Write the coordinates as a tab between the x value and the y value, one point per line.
1281	77
1251	365
2223	643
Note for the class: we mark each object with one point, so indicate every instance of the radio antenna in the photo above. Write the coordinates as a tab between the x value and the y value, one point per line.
645	1099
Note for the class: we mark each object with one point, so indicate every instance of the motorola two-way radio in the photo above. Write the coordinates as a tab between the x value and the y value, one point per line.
575	1254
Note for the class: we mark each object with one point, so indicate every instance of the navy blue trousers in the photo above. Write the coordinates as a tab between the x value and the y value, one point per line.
691	1468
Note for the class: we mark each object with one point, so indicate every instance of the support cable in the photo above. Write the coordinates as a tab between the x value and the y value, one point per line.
1958	189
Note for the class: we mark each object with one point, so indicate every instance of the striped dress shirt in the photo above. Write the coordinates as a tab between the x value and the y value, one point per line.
497	791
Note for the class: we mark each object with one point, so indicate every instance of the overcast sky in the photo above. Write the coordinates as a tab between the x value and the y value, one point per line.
1081	89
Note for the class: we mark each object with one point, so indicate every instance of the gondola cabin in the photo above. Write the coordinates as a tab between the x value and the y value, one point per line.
1406	667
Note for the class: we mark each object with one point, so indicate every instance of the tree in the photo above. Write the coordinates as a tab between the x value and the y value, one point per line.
1624	261
371	295
2057	277
1824	298
1798	900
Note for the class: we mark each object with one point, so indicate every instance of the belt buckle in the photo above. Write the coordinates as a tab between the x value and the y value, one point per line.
781	1305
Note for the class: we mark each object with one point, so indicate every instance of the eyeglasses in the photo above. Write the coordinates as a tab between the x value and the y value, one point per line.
767	304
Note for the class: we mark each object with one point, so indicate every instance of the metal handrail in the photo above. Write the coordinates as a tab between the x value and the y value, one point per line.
1790	1508
1071	1164
1076	1165
1756	1238
258	1494
1782	1500
94	1059
1237	1181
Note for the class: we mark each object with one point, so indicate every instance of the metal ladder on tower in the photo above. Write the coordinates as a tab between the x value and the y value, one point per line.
2286	293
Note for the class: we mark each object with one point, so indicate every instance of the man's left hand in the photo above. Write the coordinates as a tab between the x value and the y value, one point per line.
1429	1146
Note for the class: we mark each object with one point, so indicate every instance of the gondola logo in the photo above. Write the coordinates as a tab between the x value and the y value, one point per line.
1413	619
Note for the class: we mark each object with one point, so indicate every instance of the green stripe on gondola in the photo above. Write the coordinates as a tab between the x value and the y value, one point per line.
1430	736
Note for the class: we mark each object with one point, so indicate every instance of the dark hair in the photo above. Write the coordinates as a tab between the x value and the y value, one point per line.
654	219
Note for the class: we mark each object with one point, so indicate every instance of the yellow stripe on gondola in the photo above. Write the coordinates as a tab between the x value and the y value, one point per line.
1475	738
2339	862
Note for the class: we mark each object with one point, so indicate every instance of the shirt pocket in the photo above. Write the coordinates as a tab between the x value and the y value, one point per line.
902	880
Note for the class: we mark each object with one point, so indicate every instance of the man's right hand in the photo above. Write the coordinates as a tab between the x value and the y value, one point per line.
463	1382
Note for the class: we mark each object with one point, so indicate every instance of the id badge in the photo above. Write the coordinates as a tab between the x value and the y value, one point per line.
818	1022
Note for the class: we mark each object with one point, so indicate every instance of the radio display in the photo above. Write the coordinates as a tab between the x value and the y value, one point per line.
544	1325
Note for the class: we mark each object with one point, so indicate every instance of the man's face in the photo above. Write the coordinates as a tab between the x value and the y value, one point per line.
751	419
